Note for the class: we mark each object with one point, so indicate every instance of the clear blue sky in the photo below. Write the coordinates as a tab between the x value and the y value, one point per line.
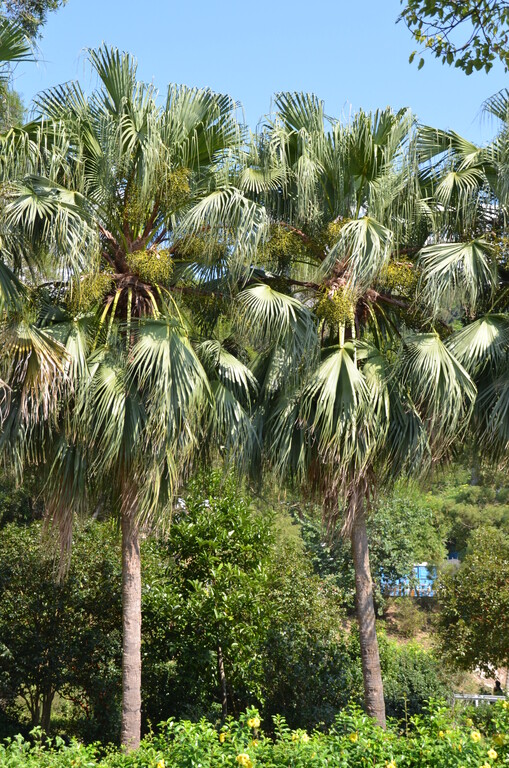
350	54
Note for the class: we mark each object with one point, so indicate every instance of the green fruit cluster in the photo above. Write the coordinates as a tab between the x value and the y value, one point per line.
335	308
151	266
88	292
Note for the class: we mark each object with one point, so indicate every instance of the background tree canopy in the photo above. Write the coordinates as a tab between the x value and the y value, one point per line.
471	34
30	14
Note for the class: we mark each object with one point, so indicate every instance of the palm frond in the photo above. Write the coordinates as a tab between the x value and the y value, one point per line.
441	389
457	273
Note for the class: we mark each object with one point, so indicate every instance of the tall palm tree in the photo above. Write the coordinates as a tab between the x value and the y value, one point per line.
124	206
376	392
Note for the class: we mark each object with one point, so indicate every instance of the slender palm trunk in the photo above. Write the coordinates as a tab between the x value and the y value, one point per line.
371	671
131	627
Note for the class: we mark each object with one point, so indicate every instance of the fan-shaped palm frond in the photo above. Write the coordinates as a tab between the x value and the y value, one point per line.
441	389
15	46
482	343
274	318
455	273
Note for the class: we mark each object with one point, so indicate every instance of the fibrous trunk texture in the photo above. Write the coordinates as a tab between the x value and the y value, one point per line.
371	671
131	627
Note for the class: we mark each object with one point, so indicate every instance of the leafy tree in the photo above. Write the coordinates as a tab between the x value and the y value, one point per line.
237	618
30	15
413	676
474	603
59	637
471	34
217	615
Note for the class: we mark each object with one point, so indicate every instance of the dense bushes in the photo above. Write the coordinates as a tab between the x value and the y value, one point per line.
227	582
433	740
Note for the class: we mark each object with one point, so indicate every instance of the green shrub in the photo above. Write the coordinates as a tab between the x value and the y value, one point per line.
433	740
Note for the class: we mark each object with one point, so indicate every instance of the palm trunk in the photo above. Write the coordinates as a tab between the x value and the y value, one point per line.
371	670
131	627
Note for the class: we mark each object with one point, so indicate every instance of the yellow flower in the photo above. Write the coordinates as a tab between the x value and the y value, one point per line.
222	737
459	747
295	736
244	760
499	739
392	764
469	722
441	734
505	704
254	722
486	765
254	743
475	736
304	738
161	764
353	737
492	754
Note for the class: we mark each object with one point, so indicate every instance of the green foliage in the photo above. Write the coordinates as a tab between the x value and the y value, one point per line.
469	34
18	502
460	508
30	14
12	110
60	636
233	583
474	602
213	596
433	740
417	537
412	676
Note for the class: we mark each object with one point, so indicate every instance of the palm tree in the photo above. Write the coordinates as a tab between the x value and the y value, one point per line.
125	206
375	391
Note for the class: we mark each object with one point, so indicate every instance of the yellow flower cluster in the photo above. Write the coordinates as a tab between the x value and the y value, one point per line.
354	737
492	754
300	736
244	760
254	722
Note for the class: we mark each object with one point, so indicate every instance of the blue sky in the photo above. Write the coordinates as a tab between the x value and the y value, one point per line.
350	54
